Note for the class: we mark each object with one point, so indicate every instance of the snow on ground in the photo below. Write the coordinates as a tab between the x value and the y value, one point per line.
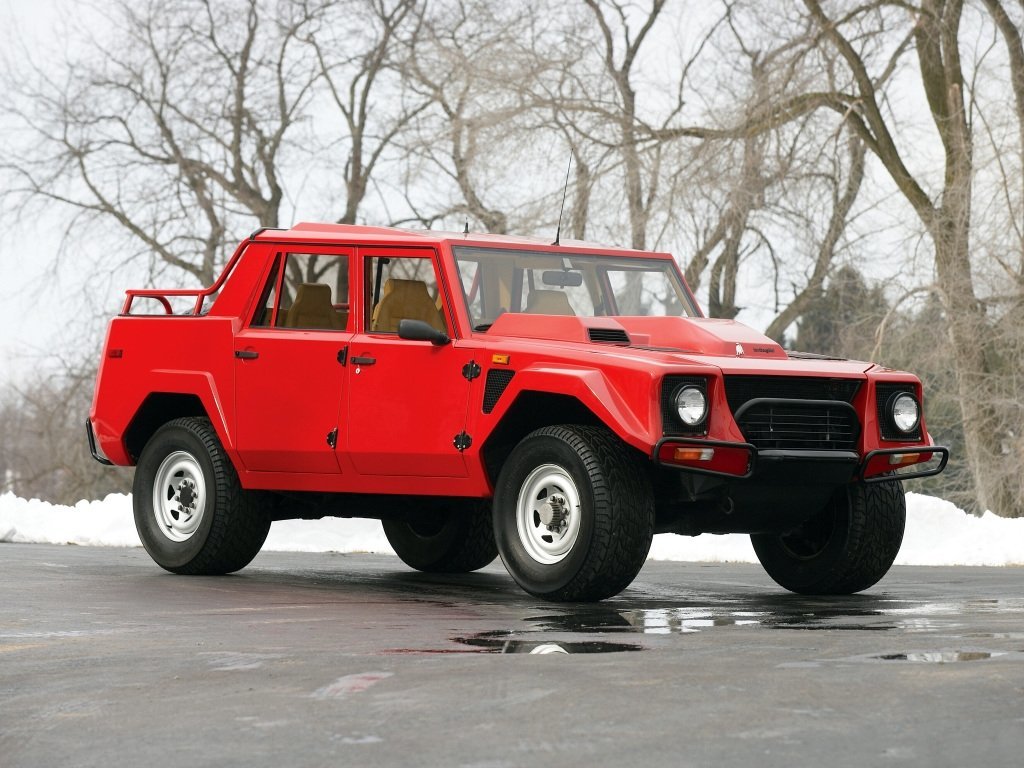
938	533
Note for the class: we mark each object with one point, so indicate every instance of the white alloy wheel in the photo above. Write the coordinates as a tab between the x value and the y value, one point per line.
179	496
548	514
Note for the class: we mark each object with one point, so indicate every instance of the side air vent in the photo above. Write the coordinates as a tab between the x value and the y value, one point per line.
608	335
497	381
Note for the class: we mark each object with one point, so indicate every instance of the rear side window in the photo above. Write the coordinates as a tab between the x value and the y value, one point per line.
306	291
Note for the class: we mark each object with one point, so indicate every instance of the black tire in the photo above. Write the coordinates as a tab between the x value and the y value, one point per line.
453	537
201	521
605	545
845	548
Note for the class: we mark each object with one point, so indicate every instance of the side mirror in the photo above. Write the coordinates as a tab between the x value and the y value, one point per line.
417	330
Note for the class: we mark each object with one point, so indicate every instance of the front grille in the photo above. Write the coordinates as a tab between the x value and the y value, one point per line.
883	394
497	380
740	389
608	335
800	426
795	413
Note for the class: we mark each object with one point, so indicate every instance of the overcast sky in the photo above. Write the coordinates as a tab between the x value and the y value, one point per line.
28	248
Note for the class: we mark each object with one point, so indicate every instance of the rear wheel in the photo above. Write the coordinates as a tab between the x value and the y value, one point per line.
573	514
453	537
191	512
845	548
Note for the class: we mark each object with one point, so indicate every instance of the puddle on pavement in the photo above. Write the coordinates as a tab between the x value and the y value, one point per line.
939	657
543	633
504	642
686	619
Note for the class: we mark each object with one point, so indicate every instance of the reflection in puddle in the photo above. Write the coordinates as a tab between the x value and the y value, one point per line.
861	615
686	620
503	642
939	657
544	634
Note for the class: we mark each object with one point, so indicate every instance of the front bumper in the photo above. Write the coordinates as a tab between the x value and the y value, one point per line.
741	460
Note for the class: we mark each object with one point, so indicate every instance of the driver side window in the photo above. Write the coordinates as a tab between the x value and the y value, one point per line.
401	288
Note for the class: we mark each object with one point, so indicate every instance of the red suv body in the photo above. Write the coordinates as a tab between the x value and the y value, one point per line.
477	391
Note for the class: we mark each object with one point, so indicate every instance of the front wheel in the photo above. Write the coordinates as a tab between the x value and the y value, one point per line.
845	548
191	512
573	514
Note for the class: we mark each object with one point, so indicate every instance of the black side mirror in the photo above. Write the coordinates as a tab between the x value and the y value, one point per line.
417	330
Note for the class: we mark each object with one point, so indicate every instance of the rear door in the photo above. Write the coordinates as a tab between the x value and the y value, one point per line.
407	400
289	372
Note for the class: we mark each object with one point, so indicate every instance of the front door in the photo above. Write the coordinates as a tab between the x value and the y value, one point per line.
407	400
289	364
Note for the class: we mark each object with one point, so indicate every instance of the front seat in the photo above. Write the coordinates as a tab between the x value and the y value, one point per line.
406	300
543	302
313	309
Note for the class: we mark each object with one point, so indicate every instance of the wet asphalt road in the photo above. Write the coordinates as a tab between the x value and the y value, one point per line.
337	660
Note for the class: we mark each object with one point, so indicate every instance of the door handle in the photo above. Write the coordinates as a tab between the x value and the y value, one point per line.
246	354
363	360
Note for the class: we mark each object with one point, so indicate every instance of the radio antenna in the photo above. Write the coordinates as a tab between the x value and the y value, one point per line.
558	231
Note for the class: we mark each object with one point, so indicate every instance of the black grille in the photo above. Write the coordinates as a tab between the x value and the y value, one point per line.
883	394
814	424
671	425
740	389
608	335
800	426
497	380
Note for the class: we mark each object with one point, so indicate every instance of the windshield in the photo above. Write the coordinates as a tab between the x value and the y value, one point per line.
495	281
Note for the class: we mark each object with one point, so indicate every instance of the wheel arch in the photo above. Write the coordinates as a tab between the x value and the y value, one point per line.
157	409
531	410
545	395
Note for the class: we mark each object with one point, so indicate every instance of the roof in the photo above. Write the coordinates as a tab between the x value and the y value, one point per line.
317	232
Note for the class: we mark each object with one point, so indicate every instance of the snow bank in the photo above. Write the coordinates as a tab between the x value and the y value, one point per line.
938	533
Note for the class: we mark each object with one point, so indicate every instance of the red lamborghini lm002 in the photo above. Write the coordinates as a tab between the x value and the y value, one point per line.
482	395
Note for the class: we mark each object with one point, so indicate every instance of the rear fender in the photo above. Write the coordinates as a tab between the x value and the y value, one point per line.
175	394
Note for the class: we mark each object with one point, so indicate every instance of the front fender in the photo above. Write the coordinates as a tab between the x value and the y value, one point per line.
600	394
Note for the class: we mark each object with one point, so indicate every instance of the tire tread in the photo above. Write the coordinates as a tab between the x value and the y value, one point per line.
239	523
623	513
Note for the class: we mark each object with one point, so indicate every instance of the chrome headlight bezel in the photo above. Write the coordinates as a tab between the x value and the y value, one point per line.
685	401
900	406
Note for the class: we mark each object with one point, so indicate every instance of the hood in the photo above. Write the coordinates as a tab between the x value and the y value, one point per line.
687	335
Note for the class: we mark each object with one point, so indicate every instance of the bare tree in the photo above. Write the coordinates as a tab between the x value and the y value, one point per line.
171	129
185	128
946	213
473	63
43	453
843	198
359	50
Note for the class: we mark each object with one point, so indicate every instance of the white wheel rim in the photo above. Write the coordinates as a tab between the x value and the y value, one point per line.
179	496
548	514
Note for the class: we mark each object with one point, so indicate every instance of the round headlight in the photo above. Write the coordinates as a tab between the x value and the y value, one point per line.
691	405
905	412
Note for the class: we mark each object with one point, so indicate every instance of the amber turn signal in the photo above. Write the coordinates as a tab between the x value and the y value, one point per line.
693	454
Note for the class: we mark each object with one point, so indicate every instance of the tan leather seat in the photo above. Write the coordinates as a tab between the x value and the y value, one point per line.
406	300
548	303
313	309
